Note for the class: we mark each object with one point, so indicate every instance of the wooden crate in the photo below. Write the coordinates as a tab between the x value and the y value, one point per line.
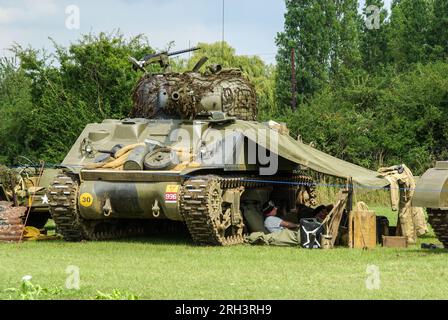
362	230
395	242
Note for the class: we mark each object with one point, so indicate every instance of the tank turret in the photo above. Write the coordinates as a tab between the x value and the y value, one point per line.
194	94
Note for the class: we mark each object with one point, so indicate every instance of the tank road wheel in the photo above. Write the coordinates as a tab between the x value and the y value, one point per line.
206	215
438	219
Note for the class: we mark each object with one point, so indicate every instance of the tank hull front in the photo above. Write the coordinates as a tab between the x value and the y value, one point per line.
129	200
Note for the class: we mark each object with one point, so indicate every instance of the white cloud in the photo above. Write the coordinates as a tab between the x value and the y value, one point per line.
8	15
27	10
41	7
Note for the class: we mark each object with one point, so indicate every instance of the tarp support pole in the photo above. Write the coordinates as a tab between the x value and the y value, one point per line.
350	191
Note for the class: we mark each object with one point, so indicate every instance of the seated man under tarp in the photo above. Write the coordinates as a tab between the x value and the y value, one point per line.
282	232
272	222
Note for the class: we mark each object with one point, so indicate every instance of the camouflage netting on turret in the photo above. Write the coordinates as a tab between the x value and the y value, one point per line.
191	94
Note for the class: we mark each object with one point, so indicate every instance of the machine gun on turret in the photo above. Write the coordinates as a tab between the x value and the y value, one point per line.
161	58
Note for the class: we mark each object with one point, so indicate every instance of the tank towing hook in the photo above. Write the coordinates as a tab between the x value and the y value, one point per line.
156	209
107	208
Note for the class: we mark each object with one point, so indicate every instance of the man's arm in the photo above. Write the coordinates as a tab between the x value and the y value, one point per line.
289	225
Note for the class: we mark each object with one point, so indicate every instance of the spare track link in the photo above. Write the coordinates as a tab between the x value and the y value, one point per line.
438	219
196	204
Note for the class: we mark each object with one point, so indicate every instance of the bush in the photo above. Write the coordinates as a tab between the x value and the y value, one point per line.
46	101
380	121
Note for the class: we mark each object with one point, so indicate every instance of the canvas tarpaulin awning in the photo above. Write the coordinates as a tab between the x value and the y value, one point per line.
305	155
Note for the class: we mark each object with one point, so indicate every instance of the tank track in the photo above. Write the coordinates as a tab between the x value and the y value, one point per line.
200	211
200	203
65	213
438	219
63	208
201	198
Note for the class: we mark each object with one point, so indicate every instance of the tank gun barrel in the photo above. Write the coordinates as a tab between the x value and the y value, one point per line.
169	54
161	58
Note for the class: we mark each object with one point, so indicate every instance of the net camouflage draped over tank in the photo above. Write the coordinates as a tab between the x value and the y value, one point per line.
188	94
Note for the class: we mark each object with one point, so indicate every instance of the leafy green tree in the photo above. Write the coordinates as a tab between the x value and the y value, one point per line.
381	119
308	31
374	42
417	104
345	54
325	35
409	32
87	82
16	112
101	64
439	29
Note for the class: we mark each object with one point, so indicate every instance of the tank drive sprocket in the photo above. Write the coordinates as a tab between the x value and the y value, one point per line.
438	219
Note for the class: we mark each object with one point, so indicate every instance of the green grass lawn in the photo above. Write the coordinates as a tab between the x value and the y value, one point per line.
170	267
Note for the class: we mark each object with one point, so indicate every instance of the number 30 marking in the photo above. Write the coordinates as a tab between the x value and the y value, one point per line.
86	200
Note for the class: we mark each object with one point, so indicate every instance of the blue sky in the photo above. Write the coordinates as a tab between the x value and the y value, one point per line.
251	25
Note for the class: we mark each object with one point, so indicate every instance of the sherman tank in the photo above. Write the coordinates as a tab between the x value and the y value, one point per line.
191	153
432	193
